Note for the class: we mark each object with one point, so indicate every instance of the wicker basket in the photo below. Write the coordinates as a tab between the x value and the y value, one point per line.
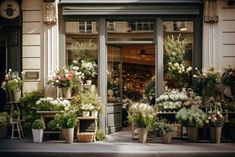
177	133
85	137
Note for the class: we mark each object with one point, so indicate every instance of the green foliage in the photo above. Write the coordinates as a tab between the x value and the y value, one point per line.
38	124
12	81
163	127
100	135
191	117
4	119
29	107
149	89
15	114
66	119
53	125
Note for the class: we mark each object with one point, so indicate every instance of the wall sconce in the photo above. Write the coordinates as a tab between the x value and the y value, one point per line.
49	12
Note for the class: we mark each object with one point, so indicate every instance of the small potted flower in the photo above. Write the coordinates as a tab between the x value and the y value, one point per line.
191	118
143	116
4	122
215	121
165	131
37	129
13	84
228	78
67	121
89	68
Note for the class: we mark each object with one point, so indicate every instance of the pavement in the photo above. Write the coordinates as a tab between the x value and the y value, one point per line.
116	145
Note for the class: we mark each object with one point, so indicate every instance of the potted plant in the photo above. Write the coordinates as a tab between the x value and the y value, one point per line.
165	131
13	84
4	122
86	102
66	78
228	78
143	116
215	121
37	129
191	118
67	121
89	68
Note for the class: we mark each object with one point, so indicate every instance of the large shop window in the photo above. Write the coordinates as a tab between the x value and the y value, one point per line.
131	61
82	45
178	62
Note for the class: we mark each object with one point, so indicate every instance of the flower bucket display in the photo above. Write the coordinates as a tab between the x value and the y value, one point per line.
86	113
142	135
68	135
94	113
215	134
66	92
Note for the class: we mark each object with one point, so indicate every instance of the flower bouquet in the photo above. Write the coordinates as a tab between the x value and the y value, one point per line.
228	78
13	84
51	104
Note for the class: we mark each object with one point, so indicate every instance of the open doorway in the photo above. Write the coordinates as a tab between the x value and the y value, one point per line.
131	77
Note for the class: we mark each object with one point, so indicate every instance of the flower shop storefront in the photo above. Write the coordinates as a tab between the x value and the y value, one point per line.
126	39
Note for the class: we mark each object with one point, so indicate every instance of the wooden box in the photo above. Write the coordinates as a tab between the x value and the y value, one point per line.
85	136
177	133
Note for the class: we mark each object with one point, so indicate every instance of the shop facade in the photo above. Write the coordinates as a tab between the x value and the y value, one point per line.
126	40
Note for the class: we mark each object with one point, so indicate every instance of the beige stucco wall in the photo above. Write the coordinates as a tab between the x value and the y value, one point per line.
219	39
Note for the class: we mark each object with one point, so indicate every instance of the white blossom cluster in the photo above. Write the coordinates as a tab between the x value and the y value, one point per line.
179	68
87	107
169	106
172	96
89	68
58	102
141	108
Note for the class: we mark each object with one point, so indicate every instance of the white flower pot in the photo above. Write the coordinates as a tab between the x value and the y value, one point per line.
68	135
94	114
37	135
86	113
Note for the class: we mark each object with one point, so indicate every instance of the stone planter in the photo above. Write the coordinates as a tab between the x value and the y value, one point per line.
68	135
142	135
167	138
94	114
66	92
15	95
86	113
192	134
37	135
215	134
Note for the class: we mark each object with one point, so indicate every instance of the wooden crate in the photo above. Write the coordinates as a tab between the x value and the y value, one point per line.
85	136
177	133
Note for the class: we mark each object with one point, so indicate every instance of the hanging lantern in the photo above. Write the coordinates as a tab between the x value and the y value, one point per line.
49	12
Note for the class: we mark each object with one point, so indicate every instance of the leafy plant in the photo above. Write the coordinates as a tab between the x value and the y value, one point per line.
15	114
38	124
12	81
191	117
163	127
149	89
4	119
100	135
66	119
29	107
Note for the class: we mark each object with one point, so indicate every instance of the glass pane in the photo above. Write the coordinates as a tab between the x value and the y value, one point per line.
131	72
81	45
178	50
130	30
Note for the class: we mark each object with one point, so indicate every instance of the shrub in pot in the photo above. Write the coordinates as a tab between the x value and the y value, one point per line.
165	130
100	135
38	127
4	122
67	121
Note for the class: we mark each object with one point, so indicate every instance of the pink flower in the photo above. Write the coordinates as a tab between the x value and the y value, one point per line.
68	76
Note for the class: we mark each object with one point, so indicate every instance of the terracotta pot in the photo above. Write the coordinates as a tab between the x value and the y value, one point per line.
215	134
66	92
192	134
167	138
68	135
142	135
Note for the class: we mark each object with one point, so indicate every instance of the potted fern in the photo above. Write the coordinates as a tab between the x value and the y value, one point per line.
38	127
